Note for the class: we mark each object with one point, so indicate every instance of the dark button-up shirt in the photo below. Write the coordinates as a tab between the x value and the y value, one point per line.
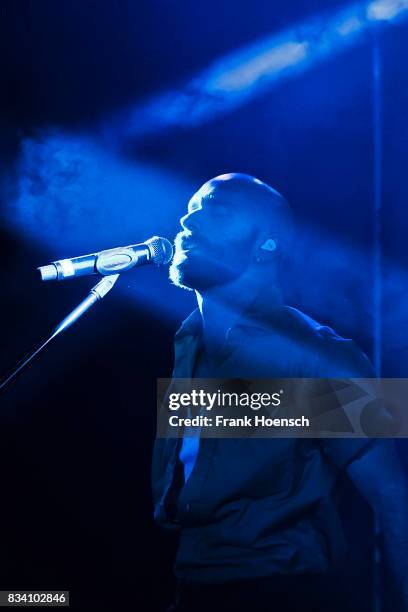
258	507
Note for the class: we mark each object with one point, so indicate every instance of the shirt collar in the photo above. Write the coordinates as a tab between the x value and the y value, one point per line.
260	313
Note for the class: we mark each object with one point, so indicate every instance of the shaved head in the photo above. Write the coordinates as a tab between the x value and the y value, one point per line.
265	203
235	224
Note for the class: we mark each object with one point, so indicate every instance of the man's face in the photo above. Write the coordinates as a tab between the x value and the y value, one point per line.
216	244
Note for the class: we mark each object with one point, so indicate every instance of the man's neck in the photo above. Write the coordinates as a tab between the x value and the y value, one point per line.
221	307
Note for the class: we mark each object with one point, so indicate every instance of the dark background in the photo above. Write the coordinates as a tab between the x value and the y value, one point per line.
77	427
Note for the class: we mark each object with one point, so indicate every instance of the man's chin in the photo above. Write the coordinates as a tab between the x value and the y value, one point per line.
177	277
182	276
186	276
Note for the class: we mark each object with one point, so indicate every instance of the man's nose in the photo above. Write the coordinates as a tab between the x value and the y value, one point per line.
191	221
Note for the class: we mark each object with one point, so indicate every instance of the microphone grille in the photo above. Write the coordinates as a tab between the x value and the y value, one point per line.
161	250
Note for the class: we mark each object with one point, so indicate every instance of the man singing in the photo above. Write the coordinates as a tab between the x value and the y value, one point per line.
258	526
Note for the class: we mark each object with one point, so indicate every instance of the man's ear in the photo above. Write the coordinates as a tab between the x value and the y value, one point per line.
265	250
269	245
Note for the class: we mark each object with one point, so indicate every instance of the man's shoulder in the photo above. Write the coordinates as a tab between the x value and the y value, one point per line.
321	349
308	327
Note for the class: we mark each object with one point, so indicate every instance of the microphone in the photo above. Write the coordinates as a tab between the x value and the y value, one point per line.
112	261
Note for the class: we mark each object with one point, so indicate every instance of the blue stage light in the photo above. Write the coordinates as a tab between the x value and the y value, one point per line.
350	25
245	73
386	10
272	61
74	197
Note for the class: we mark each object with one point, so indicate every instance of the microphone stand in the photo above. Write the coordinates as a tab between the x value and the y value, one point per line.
96	293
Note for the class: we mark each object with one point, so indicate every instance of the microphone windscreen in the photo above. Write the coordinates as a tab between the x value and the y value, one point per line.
161	250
